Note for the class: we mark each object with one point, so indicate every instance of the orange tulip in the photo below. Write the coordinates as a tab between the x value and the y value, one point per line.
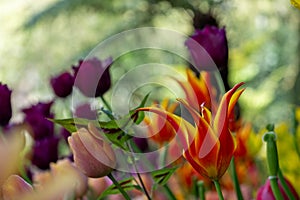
209	145
14	187
198	91
161	132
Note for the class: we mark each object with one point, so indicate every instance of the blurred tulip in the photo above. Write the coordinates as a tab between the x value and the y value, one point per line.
160	130
265	192
92	77
92	154
85	111
15	187
36	117
5	104
80	184
214	49
45	151
62	84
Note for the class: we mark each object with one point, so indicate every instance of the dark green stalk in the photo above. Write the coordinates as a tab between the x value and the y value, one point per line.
285	186
106	103
118	186
169	192
218	188
275	188
237	188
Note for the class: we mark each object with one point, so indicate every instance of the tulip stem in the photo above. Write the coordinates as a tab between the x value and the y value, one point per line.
116	183
105	103
201	190
285	186
169	192
236	180
218	188
275	188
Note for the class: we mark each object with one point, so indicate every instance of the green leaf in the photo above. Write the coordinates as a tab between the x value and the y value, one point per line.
138	117
162	176
72	124
126	184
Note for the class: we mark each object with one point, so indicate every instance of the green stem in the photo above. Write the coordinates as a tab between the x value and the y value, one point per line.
201	190
169	192
294	132
112	178
106	103
275	188
285	186
236	180
138	174
218	188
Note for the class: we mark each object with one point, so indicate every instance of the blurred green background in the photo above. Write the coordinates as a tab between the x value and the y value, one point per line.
40	39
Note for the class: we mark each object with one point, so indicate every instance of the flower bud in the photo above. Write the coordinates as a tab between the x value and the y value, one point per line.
5	105
92	155
208	48
92	77
62	84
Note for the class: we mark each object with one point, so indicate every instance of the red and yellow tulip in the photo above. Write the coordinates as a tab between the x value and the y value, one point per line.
208	145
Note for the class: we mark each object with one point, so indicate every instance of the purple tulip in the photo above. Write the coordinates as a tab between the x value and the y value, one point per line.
62	84
45	151
42	108
214	49
5	105
92	77
85	111
36	117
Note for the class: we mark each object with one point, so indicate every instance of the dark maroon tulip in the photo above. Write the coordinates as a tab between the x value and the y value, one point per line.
5	104
92	77
265	192
36	117
214	49
62	84
42	108
85	111
64	134
45	151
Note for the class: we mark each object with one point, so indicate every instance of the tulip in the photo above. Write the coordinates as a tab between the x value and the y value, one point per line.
45	151
36	117
92	77
85	111
64	166
62	84
212	148
159	130
15	187
265	192
92	155
214	49
198	91
5	105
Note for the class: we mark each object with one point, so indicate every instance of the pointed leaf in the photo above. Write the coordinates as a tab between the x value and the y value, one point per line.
162	176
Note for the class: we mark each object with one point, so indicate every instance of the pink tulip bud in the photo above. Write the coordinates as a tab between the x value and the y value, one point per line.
92	155
14	187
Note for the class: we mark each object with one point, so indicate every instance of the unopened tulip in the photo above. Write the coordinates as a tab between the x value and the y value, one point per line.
208	48
92	154
62	84
92	77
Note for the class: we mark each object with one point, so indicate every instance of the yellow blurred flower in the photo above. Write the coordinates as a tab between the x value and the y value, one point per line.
296	3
